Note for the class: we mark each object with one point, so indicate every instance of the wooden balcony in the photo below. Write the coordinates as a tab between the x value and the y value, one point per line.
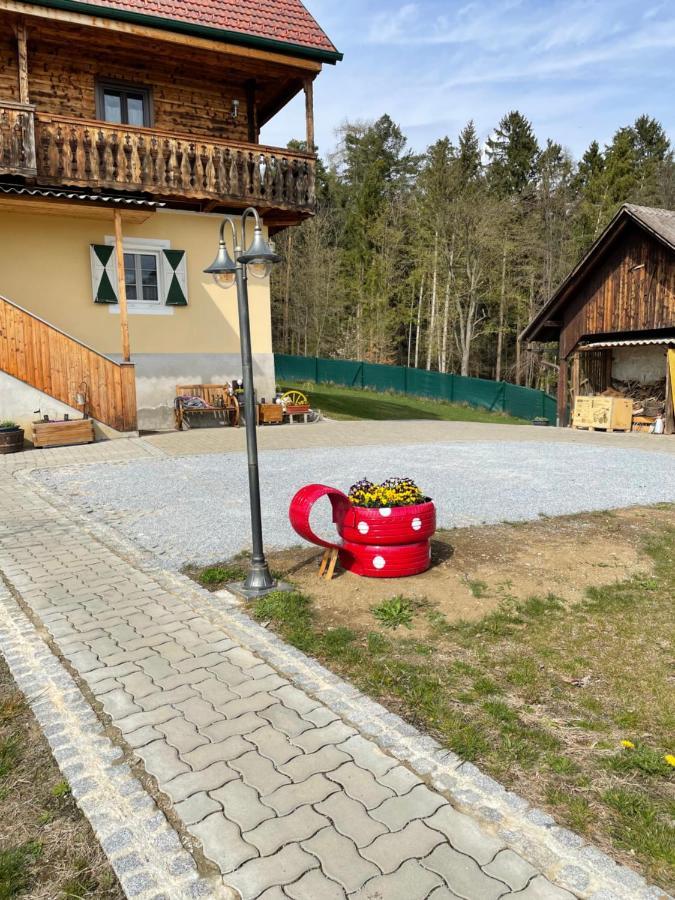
73	152
17	139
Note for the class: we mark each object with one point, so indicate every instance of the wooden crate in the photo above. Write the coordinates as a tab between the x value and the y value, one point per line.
61	434
270	414
603	413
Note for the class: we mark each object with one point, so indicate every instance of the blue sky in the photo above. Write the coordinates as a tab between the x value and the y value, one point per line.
578	70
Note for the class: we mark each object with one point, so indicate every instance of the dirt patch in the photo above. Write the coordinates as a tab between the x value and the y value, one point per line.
47	848
475	569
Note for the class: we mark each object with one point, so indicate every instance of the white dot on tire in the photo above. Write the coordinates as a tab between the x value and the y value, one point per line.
378	562
416	524
363	527
385	512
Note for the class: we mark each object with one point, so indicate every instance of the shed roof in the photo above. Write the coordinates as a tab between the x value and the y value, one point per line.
660	223
284	25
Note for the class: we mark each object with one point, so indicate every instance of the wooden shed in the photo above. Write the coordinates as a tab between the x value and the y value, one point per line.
614	316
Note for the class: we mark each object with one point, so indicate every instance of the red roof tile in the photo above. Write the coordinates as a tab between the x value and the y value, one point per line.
276	20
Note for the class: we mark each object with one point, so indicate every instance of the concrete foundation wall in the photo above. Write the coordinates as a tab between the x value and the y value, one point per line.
157	375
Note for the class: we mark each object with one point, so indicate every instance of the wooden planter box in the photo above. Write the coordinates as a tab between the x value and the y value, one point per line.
605	413
11	441
270	414
62	434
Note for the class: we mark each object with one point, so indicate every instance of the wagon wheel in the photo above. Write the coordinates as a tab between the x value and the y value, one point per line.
233	411
294	398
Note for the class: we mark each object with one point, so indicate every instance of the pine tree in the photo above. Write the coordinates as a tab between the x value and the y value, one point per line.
512	153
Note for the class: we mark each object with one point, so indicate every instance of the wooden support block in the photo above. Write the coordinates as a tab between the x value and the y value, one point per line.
328	562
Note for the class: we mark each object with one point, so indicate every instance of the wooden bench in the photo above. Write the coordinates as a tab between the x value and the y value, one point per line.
219	403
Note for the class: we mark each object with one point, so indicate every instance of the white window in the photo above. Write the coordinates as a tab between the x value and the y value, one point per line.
141	277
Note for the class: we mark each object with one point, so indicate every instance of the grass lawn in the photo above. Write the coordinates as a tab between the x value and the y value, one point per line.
540	691
338	402
47	849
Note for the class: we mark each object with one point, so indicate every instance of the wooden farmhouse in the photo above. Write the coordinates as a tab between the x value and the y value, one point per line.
136	125
614	317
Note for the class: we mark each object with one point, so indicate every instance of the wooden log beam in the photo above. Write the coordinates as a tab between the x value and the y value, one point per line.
562	393
252	112
121	287
22	57
309	113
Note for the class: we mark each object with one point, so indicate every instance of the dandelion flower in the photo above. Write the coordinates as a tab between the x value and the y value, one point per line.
670	759
628	745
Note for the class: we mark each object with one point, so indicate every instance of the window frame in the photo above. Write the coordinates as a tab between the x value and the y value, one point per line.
124	88
138	272
147	246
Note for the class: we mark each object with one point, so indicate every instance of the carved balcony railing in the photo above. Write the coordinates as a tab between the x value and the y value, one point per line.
17	138
95	154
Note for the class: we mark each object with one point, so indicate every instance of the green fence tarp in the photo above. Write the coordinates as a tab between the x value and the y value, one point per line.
498	396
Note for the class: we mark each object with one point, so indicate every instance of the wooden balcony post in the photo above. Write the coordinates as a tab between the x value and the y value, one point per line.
22	57
562	393
251	112
309	114
121	286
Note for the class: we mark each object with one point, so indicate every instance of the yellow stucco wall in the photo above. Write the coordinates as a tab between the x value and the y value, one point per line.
45	267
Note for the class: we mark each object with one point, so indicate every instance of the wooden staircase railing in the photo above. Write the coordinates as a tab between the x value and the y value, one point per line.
48	359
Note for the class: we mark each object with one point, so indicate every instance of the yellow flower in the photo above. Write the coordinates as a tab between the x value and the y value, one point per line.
670	759
628	745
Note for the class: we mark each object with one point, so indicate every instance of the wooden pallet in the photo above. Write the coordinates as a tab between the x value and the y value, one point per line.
63	434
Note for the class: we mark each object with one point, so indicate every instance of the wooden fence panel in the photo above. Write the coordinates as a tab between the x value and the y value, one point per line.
41	355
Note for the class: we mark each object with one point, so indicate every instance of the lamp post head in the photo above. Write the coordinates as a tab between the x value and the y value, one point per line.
223	268
260	257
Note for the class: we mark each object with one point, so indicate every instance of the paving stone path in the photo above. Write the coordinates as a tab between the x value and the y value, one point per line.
291	783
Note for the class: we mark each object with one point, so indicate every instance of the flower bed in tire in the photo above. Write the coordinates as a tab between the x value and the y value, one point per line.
376	541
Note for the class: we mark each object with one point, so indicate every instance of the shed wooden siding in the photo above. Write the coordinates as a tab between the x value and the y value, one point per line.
615	297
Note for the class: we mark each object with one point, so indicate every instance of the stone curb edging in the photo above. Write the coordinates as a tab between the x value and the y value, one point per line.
143	849
561	855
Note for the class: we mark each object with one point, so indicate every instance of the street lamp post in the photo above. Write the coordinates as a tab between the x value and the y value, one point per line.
227	272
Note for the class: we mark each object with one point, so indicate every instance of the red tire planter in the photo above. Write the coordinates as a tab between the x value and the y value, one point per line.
376	543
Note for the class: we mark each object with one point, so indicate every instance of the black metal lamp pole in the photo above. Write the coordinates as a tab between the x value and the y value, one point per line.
227	272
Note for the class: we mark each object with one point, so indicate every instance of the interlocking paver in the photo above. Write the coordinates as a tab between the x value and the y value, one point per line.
255	685
245	724
139	684
285	799
284	719
368	755
199	712
273	744
143	736
155	667
242	805
541	889
162	761
182	735
164	698
410	882
465	834
296	699
412	842
198	662
462	874
351	819
284	867
327	759
230	675
314	886
359	784
257	703
273	893
314	738
259	772
340	859
118	704
511	868
398	811
222	843
223	751
154	716
208	779
196	808
272	834
242	658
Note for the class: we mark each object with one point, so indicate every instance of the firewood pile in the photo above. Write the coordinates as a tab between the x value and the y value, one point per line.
648	399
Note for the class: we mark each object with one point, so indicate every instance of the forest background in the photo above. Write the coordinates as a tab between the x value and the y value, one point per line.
439	260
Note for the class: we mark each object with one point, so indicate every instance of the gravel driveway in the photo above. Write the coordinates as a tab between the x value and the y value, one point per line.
195	508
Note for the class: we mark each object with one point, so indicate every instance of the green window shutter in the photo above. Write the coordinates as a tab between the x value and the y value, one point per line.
103	273
175	277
